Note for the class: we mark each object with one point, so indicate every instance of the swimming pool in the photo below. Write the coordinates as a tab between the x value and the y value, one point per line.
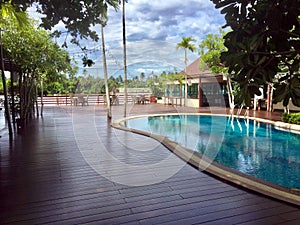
248	146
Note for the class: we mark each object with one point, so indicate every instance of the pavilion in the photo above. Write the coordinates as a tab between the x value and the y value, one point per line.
203	88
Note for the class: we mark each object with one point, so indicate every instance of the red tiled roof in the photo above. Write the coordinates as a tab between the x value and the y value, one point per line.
193	70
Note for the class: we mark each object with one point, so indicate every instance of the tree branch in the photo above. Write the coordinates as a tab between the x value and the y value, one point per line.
273	53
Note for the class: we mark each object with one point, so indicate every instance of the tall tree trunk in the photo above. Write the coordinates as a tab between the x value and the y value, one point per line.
12	91
6	104
29	97
36	99
185	78
22	84
230	93
105	74
124	58
180	88
42	95
271	98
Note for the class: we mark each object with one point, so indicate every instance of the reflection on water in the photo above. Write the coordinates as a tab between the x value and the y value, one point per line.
169	126
251	147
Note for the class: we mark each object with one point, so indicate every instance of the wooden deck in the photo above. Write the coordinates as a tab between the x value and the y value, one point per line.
45	179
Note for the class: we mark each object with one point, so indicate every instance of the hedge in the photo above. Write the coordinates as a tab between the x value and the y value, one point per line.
293	118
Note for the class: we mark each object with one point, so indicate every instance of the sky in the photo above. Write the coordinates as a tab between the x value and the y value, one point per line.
153	29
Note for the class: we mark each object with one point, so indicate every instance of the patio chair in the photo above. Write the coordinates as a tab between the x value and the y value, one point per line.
114	100
83	100
135	99
73	100
143	99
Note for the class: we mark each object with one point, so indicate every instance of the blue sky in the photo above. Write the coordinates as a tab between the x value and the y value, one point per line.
153	29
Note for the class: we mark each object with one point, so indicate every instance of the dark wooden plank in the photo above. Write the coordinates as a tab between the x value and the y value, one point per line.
261	221
255	216
45	179
290	222
220	214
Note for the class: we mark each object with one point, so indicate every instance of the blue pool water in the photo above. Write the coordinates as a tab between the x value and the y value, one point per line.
245	145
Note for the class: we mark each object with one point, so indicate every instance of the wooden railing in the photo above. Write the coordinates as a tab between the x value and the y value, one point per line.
66	100
93	99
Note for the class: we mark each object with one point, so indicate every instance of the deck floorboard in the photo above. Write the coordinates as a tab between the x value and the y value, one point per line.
46	177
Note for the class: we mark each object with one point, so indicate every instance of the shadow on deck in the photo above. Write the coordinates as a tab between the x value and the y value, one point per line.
51	174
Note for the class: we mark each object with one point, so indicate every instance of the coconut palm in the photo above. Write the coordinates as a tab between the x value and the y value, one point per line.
103	22
186	45
105	72
124	57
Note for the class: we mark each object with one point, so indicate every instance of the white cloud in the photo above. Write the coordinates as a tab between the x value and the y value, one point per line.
153	29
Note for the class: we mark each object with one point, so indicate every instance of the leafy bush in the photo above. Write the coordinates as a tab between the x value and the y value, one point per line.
285	117
293	118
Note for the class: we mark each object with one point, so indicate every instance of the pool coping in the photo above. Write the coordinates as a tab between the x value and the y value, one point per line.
205	164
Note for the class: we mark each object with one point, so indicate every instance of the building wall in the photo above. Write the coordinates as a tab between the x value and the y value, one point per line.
292	107
213	91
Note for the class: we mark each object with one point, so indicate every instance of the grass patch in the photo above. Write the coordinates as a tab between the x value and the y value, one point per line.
293	118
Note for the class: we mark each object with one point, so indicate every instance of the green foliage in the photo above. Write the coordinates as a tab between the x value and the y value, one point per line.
293	118
157	83
288	88
34	51
87	62
94	85
8	85
90	85
242	96
77	16
39	58
9	12
285	117
210	50
186	43
263	42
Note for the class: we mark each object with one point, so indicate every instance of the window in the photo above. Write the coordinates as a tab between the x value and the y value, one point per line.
192	91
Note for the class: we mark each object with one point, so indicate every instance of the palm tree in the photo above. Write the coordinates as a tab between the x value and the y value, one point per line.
124	57
142	76
186	44
103	22
105	71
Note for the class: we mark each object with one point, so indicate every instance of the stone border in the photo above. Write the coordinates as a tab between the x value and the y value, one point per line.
201	162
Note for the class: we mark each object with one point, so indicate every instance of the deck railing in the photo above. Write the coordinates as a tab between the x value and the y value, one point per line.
93	99
67	100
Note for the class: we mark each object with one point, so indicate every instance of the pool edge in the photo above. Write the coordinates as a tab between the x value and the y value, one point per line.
204	164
